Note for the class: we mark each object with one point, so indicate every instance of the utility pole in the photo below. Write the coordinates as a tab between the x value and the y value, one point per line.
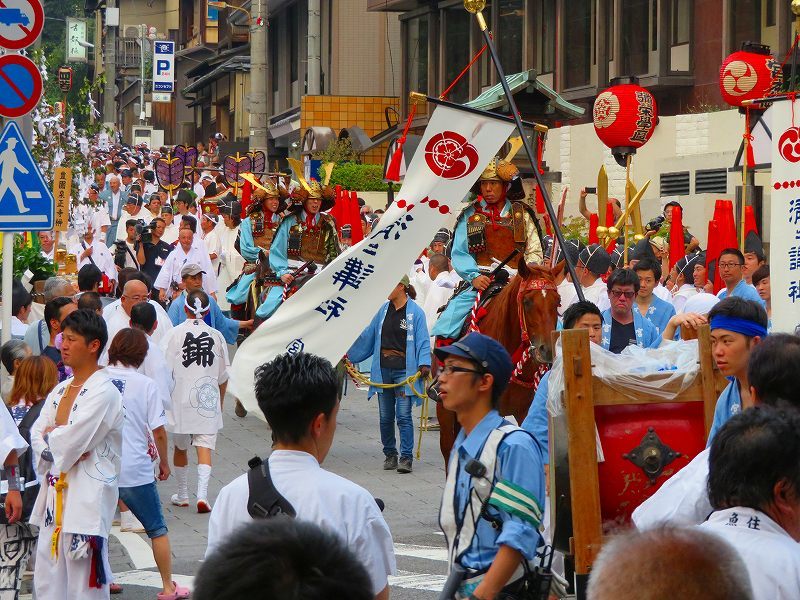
110	64
314	65
258	76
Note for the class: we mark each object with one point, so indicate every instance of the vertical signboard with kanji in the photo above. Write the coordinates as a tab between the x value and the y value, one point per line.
784	248
76	33
62	189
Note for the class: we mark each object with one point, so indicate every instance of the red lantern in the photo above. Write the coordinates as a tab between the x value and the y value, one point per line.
748	74
625	116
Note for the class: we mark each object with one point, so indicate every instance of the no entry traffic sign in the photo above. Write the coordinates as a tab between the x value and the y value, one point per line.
20	85
21	22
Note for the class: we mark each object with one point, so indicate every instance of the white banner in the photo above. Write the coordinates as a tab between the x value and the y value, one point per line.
330	311
784	234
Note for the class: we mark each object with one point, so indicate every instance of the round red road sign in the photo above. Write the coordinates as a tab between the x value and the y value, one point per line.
21	22
20	85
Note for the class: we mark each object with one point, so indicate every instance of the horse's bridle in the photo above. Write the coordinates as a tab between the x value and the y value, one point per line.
526	345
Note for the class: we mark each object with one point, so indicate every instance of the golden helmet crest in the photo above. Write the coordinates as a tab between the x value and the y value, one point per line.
499	170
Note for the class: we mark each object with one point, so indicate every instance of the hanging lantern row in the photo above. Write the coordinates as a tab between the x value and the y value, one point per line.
748	74
625	116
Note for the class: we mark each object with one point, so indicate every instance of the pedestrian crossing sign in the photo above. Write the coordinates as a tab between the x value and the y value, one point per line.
26	203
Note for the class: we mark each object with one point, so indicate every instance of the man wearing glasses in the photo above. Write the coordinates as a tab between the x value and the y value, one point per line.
492	503
731	263
623	326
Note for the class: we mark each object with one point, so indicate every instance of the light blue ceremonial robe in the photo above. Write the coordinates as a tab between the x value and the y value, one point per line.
659	313
453	316
536	422
743	290
249	251
418	347
229	328
646	334
729	403
279	263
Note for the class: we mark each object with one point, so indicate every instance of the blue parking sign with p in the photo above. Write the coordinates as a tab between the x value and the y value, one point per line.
164	66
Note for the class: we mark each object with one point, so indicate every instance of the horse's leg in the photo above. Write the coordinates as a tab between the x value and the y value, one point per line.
448	429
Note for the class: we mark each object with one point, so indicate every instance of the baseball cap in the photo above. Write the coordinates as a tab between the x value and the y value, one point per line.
192	269
490	355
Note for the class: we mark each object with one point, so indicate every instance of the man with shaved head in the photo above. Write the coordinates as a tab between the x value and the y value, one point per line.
136	289
666	564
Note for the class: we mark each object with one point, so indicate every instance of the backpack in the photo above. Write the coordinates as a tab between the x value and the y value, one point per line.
264	499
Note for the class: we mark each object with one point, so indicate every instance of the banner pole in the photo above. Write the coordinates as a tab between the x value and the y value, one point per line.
526	143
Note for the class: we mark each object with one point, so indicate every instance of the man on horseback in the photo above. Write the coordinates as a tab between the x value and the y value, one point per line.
256	233
486	233
306	235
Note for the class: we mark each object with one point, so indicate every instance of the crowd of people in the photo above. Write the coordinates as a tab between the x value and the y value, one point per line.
132	356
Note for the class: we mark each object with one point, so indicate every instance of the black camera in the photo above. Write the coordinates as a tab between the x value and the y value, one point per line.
144	233
655	224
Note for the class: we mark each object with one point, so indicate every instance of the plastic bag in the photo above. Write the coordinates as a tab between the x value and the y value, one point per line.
664	372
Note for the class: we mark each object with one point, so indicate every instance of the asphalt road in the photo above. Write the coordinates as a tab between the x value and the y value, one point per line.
412	502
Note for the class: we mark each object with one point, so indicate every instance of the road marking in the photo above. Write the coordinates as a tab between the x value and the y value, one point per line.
426	552
150	579
417	581
139	551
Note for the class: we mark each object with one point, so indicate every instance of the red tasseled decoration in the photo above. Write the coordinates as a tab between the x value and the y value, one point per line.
393	170
750	220
610	223
594	220
676	247
539	195
247	193
357	232
712	255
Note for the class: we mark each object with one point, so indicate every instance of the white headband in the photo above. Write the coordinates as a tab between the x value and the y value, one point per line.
198	308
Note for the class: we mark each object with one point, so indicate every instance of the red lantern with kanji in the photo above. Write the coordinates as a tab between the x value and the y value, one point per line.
748	74
625	116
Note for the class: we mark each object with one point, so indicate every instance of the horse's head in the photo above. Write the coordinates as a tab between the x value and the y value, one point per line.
538	302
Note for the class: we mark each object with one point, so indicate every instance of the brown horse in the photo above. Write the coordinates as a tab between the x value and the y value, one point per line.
522	318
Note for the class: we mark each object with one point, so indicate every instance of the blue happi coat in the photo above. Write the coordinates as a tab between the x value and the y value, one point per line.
646	334
229	328
418	347
743	290
659	313
729	403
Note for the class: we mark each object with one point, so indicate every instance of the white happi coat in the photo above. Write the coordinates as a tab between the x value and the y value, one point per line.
171	269
681	501
197	357
95	426
117	319
771	556
231	262
10	441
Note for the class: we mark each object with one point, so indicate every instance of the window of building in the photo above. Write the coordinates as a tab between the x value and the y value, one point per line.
416	48
681	21
769	13
511	23
745	22
274	64
635	37
578	43
457	53
545	35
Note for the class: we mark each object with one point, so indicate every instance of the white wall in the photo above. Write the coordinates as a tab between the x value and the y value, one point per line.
679	143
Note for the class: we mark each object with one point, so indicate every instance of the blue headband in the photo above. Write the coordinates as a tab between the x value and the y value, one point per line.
738	325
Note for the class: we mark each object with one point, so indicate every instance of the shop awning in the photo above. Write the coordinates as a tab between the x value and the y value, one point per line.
237	63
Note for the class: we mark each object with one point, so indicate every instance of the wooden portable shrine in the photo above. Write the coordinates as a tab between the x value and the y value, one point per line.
644	441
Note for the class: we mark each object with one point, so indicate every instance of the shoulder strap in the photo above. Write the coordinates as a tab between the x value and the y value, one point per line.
264	500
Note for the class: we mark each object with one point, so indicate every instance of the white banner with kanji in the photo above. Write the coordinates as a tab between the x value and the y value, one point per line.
327	315
784	235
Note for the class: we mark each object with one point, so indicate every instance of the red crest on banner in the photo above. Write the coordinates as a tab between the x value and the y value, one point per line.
789	144
748	74
449	155
625	116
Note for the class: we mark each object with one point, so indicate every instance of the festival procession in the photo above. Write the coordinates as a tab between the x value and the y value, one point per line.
346	299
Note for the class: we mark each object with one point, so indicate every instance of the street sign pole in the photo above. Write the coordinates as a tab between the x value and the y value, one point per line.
8	275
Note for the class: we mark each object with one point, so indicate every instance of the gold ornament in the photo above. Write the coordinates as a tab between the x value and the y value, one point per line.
613	232
795	7
602	231
638	237
476	6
